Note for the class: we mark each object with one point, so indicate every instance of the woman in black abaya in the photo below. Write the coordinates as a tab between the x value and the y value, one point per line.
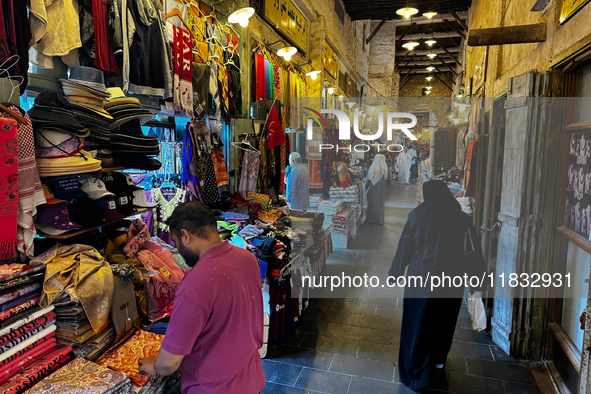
432	243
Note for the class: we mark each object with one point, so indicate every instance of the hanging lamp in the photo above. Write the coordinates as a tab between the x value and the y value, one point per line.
407	12
430	14
241	16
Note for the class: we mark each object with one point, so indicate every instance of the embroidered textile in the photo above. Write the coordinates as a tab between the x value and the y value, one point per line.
182	45
30	192
81	271
81	377
19	292
29	318
8	187
48	339
43	333
42	321
125	358
219	165
250	171
4	316
22	362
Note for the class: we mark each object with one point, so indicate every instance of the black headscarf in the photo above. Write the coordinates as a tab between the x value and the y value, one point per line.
438	226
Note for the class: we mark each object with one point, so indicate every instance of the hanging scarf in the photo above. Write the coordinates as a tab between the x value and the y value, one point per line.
8	187
282	175
276	82
223	81
182	46
30	192
219	165
259	77
105	55
268	87
215	92
250	171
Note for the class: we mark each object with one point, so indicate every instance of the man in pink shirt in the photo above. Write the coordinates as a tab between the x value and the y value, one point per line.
216	327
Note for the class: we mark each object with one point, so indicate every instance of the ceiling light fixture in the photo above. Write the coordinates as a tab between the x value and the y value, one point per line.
430	68
427	92
407	12
287	52
313	74
429	14
428	87
330	90
350	104
410	45
429	78
241	16
430	42
431	56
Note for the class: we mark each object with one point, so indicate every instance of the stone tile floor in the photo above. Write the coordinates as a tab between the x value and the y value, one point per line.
349	344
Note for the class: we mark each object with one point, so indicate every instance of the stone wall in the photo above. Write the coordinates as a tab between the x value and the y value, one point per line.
382	59
506	61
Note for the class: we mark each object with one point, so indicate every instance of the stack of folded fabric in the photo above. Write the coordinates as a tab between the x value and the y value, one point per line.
85	90
28	349
328	208
84	377
125	357
344	221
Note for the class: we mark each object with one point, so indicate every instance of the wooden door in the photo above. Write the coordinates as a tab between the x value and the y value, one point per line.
518	210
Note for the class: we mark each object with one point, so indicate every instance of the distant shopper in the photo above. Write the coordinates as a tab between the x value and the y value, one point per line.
434	240
375	185
298	184
216	327
404	161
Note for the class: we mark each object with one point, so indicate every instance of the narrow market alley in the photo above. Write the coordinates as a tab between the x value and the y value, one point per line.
350	345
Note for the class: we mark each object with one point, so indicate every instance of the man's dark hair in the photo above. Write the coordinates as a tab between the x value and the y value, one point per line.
194	217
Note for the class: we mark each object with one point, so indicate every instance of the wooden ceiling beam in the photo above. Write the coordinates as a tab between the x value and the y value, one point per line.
448	52
376	30
521	34
441	80
450	69
459	20
426	36
402	59
428	51
402	36
445	75
454	28
425	21
405	82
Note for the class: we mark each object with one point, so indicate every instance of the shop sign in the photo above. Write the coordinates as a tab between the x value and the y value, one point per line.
570	7
331	61
287	18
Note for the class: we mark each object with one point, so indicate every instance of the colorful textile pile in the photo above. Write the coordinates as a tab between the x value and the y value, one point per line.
83	377
125	358
344	221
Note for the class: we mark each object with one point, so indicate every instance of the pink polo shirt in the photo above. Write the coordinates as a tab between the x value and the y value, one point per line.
217	324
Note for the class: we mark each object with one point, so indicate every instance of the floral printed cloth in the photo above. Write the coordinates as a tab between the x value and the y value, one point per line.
81	377
125	358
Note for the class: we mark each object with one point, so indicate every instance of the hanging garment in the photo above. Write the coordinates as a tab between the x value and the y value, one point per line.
30	192
432	242
62	34
9	187
156	219
276	82
215	92
211	193
468	166
283	166
37	20
314	168
223	87
259	75
81	270
147	63
15	36
235	92
182	49
104	52
274	129
189	163
219	165
164	274
250	170
200	89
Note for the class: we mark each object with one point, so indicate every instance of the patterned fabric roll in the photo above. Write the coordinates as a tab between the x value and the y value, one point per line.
26	360
38	343
4	316
42	321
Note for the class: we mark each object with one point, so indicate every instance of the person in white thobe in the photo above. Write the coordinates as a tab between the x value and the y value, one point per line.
404	162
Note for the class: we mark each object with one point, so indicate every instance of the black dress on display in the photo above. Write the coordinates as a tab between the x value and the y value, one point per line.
432	243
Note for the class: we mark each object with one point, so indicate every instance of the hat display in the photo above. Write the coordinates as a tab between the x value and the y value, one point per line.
119	179
54	219
86	212
132	149
123	200
49	197
139	199
51	109
94	187
109	209
67	188
80	163
51	143
88	77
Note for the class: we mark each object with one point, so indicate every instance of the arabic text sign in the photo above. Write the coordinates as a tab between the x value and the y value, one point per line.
289	20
